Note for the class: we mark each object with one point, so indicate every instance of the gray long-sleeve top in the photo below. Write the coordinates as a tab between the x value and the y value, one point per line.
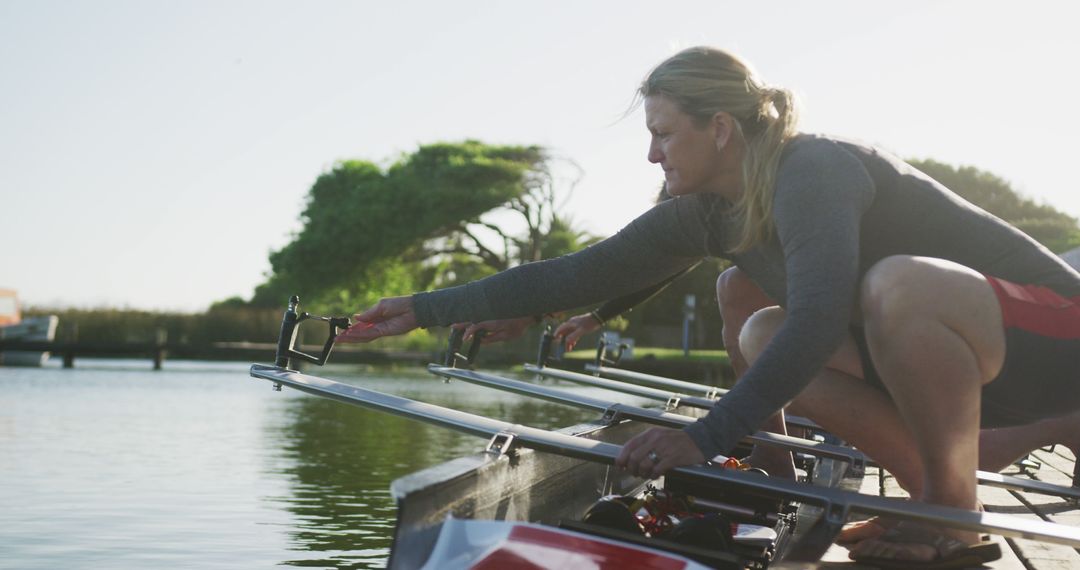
839	207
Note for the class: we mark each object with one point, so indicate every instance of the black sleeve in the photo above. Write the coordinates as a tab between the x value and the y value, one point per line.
669	237
821	194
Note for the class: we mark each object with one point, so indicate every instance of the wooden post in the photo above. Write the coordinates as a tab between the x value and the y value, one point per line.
159	350
71	336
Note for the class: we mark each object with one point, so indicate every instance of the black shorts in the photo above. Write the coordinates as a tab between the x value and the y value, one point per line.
1041	375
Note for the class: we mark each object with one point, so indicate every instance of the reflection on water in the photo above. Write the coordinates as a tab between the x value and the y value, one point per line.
112	465
344	459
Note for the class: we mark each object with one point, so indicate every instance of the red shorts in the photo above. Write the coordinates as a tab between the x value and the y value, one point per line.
1041	374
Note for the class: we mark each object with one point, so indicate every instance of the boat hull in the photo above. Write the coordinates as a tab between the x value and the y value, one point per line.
41	329
524	485
540	487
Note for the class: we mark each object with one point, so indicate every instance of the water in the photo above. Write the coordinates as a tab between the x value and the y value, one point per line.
113	465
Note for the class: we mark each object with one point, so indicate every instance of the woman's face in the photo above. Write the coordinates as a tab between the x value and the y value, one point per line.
690	155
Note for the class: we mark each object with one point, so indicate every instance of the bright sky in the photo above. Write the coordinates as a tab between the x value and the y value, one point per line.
152	153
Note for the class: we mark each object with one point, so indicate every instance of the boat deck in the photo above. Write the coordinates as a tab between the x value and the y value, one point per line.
1049	465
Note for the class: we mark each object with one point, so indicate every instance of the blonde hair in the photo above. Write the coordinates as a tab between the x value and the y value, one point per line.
703	81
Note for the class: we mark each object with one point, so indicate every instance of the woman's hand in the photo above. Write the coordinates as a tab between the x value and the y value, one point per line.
497	330
653	452
390	316
576	327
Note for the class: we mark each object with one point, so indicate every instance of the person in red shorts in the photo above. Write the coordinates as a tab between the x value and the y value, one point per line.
896	298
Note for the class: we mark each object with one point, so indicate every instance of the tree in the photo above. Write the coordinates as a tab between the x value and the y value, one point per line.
1056	230
366	233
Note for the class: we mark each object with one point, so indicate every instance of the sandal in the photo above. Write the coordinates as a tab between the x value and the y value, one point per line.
874	527
951	553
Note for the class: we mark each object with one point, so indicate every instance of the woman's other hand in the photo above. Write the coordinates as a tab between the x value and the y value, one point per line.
498	330
576	327
390	316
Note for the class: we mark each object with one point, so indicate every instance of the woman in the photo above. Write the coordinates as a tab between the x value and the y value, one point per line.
952	317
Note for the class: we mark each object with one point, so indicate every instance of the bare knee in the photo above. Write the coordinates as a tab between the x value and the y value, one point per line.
738	297
729	283
758	331
888	285
905	286
902	293
735	292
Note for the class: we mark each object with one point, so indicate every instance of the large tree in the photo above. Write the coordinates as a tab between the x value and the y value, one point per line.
1056	230
367	232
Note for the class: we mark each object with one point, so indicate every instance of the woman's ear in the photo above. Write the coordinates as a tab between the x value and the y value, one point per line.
724	127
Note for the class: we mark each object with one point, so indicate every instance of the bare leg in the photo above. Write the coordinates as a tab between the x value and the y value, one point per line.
739	297
867	417
842	403
847	416
934	329
999	448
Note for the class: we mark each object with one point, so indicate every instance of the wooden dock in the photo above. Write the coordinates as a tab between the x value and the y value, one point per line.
1051	465
69	350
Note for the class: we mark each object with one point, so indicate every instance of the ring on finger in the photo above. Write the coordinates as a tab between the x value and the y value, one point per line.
653	457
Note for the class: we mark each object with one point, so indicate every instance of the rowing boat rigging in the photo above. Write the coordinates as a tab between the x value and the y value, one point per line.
521	460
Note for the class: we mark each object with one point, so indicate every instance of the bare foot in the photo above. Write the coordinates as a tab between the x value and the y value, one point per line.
859	531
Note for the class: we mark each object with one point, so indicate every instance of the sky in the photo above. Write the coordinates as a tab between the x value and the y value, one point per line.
153	153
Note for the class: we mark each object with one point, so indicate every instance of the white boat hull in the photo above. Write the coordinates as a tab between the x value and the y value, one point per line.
42	329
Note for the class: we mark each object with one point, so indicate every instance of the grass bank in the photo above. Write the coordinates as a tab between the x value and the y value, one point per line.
718	357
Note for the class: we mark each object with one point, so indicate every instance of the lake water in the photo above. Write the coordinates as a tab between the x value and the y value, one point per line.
113	465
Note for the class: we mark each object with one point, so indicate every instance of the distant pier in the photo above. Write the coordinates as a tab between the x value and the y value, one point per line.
70	350
713	373
235	351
